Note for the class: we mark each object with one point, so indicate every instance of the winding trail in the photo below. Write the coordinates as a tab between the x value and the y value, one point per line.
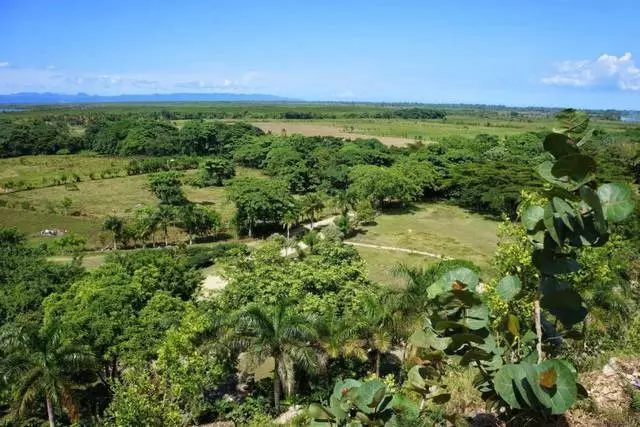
396	249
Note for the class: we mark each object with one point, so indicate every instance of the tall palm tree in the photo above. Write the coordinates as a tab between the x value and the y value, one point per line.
376	324
339	337
41	365
283	335
165	217
289	219
312	204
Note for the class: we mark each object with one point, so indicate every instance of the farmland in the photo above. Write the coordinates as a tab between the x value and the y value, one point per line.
359	229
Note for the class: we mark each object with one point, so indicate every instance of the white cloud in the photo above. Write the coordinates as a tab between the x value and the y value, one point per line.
4	64
50	79
606	70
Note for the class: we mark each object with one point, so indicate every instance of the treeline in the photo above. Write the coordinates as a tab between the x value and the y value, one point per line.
121	137
396	113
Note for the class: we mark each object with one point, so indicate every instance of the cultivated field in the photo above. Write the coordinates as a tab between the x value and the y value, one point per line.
326	129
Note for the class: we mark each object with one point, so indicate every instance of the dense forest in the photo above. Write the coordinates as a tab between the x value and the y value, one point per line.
135	341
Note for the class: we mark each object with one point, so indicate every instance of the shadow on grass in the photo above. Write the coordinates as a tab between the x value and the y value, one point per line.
399	209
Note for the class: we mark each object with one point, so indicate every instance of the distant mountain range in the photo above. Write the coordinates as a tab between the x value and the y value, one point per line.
83	98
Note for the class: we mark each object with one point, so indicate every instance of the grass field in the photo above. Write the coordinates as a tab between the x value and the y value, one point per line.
436	227
381	265
37	171
402	132
33	210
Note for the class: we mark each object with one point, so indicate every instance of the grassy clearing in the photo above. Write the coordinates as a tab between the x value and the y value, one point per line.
38	171
32	223
90	262
381	264
436	227
33	210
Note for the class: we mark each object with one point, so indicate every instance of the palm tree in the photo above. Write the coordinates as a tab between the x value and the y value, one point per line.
312	204
289	219
343	201
42	365
115	225
376	325
339	337
165	217
283	335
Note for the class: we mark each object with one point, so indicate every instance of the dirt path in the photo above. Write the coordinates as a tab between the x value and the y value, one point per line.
315	129
396	249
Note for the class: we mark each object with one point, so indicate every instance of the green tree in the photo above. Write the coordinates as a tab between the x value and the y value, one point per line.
282	335
311	205
114	225
289	219
259	201
215	171
42	365
167	187
198	221
165	217
65	204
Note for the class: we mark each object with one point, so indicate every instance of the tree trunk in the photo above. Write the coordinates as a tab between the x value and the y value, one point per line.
378	363
288	228
536	315
166	237
115	244
276	386
52	422
190	240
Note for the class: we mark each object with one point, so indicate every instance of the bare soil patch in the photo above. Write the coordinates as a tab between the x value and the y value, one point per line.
317	129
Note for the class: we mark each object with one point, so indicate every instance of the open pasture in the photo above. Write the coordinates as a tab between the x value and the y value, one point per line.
40	171
440	228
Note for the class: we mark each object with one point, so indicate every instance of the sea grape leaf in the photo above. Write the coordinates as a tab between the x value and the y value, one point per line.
592	200
558	145
564	394
429	340
508	287
577	167
617	203
532	216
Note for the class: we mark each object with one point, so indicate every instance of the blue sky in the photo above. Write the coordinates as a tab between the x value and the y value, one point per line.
519	52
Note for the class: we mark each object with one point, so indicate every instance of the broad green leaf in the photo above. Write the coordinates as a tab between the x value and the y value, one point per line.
564	210
416	379
576	167
340	387
477	317
458	340
448	280
592	200
574	123
319	412
504	383
508	287
617	202
563	396
540	397
370	394
566	305
429	340
550	223
405	407
558	145
544	170
532	216
550	263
